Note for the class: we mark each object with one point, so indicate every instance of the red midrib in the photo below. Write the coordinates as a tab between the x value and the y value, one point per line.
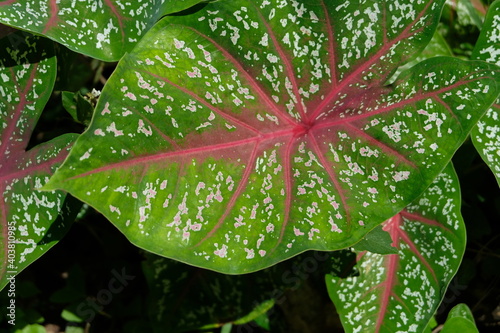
8	2
44	166
392	227
385	109
11	125
388	285
424	220
53	17
404	236
170	154
118	16
4	178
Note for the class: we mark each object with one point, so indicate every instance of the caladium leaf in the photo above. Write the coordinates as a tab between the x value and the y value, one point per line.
30	221
486	135
251	131
400	292
101	29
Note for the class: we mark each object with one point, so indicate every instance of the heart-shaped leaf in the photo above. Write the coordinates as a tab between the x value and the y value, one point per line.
400	292
31	222
101	29
252	131
486	135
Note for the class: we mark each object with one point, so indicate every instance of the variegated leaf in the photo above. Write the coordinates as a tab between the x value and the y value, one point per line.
103	29
251	131
31	222
486	135
400	292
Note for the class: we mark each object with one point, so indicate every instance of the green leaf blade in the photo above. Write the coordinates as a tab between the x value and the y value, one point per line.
401	292
101	29
460	319
198	147
30	222
486	135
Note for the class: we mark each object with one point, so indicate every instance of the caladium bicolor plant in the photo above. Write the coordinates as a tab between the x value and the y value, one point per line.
102	29
30	221
400	292
250	131
486	135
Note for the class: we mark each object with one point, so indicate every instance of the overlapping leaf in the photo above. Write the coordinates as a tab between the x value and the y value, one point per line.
400	292
250	131
101	29
30	221
486	136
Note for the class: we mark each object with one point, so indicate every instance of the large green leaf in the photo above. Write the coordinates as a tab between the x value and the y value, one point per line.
486	135
30	221
102	29
400	292
251	131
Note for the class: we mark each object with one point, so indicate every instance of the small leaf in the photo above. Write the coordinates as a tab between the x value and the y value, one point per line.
401	292
80	107
31	222
35	328
70	316
101	29
460	319
258	311
376	241
486	135
74	329
251	131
